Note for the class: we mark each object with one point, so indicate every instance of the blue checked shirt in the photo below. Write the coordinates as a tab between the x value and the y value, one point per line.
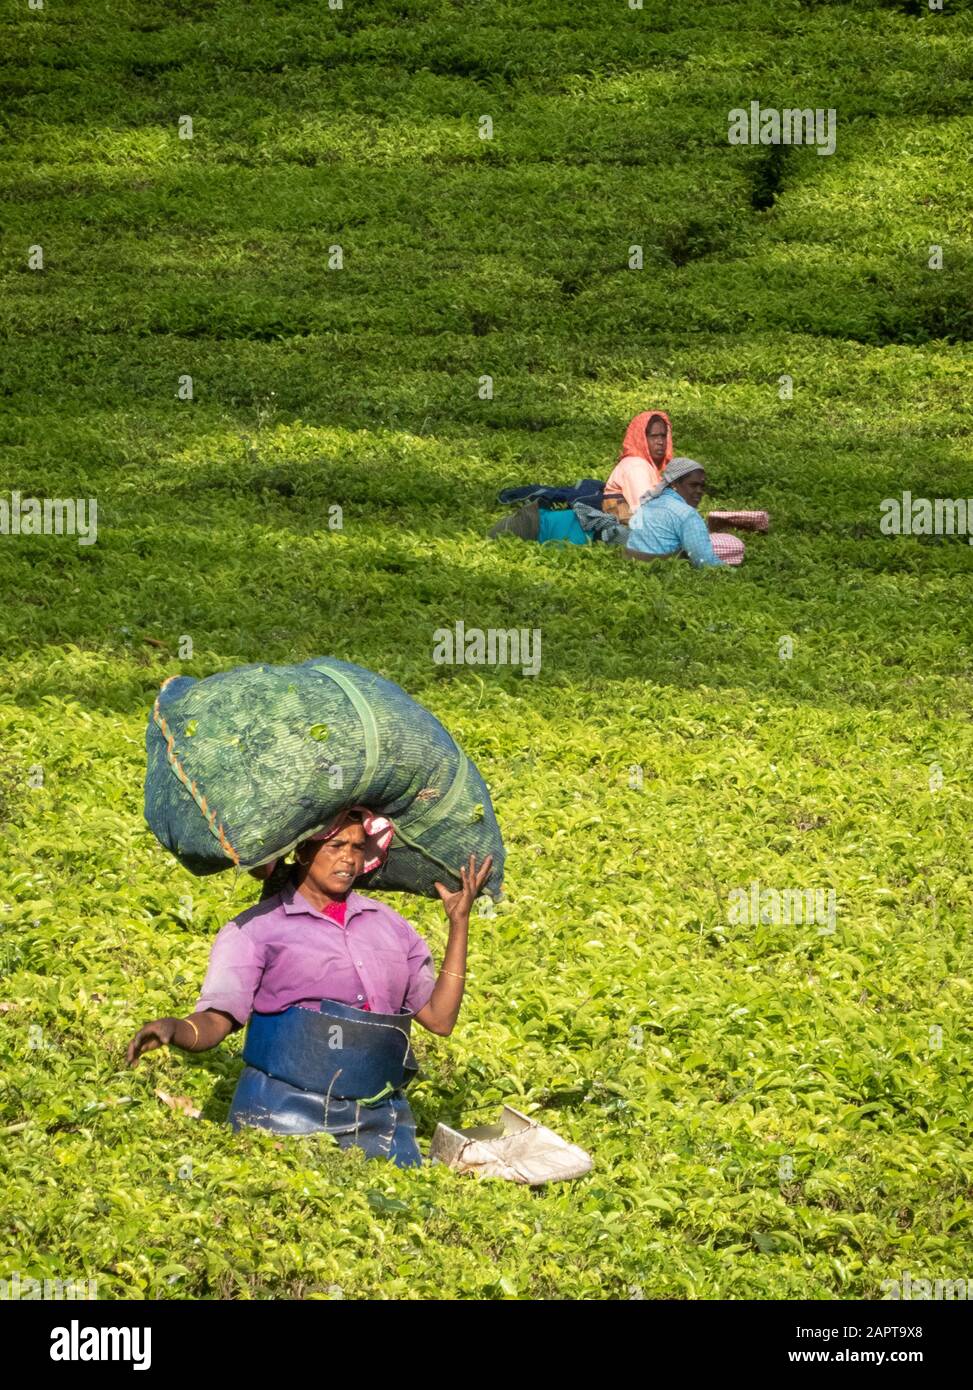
666	524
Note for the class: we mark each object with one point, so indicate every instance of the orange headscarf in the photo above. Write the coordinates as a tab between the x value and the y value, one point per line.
635	473
634	444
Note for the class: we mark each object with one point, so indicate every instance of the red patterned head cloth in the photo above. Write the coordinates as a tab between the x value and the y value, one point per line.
634	444
378	834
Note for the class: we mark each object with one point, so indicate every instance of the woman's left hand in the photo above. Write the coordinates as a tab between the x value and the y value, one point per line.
457	905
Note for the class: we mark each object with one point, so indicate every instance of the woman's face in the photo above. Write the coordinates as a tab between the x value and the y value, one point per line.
692	487
656	436
333	865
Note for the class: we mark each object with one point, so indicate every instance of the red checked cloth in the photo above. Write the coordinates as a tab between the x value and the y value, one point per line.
727	548
746	521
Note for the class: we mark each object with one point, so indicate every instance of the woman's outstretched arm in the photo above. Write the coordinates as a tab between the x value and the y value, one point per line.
198	1033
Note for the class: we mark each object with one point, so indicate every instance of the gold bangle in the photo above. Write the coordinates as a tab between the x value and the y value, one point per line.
195	1031
455	974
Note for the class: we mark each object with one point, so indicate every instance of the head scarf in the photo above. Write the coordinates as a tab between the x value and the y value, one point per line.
673	471
378	835
635	474
634	445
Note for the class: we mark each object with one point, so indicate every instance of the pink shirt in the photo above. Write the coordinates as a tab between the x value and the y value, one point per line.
283	951
633	476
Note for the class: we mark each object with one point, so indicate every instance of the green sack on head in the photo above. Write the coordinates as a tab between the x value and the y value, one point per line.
245	764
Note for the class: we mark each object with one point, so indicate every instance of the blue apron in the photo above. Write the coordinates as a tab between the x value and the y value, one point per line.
343	1070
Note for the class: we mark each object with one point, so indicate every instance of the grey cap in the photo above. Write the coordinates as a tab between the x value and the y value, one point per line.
678	468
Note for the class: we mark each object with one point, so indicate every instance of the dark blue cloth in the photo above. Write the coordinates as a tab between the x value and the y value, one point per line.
386	1130
588	490
342	1070
353	1052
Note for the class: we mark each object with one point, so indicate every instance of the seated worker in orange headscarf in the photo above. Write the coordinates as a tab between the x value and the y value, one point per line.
646	449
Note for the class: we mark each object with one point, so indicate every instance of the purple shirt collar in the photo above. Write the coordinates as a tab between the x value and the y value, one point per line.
294	902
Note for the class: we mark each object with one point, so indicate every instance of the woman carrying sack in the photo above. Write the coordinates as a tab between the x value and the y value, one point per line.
328	982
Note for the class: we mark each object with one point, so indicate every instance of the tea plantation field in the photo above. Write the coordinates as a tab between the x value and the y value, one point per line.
777	1109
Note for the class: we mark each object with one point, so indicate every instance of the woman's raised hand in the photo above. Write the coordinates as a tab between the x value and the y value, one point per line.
458	904
152	1035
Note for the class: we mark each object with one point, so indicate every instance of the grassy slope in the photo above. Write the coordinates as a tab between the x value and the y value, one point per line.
705	1051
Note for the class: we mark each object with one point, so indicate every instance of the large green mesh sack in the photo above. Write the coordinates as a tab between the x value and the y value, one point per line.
245	764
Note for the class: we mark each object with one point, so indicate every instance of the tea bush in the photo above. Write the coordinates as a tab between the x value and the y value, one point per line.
771	1109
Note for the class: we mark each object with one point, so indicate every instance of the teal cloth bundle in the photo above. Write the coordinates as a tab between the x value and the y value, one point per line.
245	764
